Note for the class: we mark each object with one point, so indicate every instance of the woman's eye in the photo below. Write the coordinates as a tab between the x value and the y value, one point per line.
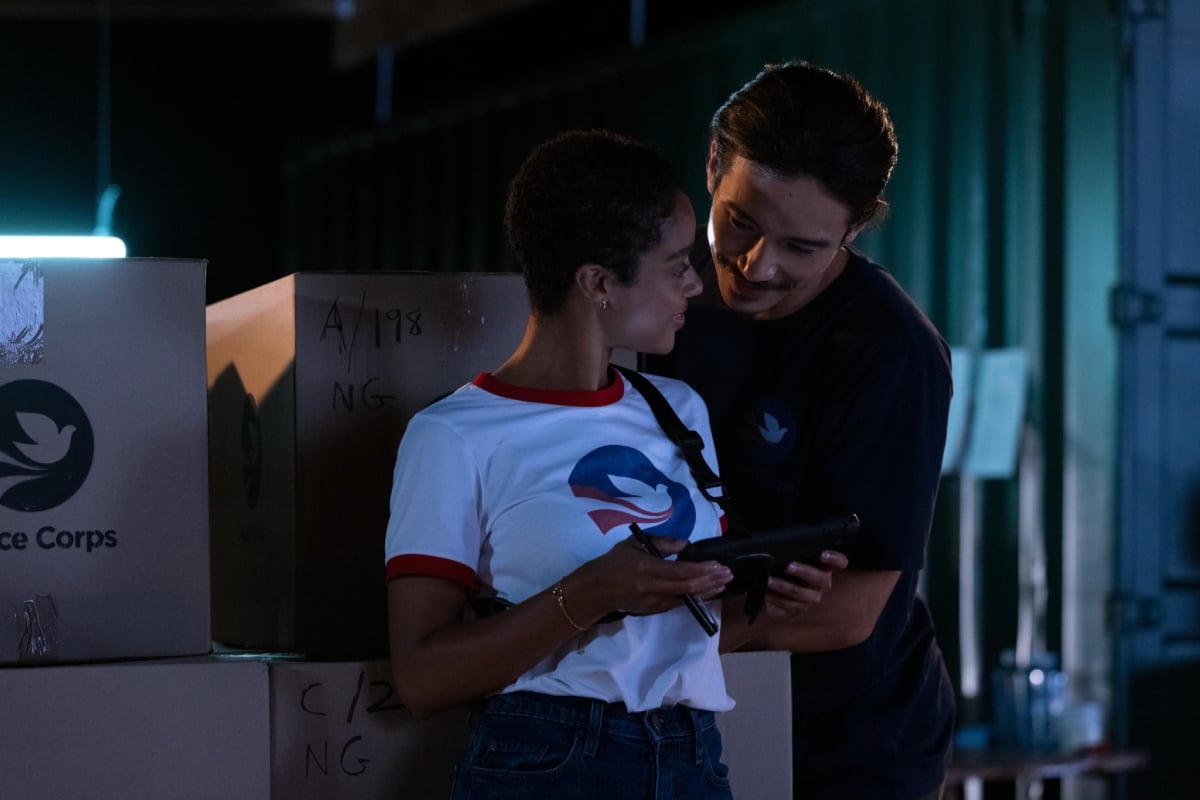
739	223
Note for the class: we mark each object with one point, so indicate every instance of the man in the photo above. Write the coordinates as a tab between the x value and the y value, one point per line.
829	392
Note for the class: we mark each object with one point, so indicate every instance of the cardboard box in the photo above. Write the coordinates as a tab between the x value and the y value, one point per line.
312	379
757	733
217	726
187	730
338	731
104	543
257	727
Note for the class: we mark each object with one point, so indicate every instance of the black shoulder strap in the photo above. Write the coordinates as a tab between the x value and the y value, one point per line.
688	440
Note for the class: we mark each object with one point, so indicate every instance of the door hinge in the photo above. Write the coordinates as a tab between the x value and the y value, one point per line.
1134	612
1130	306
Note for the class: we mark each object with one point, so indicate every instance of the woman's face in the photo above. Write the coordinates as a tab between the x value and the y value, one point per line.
645	315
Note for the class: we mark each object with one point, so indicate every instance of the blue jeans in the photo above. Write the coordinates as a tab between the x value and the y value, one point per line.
528	746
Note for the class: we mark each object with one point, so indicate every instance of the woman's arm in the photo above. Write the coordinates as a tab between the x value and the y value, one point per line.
439	661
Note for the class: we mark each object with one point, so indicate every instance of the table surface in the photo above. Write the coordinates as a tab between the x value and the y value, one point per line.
1007	765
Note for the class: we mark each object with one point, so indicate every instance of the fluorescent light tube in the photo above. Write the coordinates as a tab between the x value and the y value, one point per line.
61	247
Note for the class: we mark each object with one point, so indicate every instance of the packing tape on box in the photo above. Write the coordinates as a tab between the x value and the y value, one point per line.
22	315
37	629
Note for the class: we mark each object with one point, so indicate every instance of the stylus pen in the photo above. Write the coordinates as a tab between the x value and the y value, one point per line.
699	611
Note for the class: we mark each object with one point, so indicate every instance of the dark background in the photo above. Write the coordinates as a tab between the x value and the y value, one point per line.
203	112
1032	179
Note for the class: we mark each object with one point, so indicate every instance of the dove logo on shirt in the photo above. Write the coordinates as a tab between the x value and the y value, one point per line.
633	490
769	432
46	445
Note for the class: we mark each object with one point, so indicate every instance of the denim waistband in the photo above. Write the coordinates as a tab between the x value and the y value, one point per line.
598	717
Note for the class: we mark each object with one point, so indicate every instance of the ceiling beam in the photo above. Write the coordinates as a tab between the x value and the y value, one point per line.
375	24
361	28
171	9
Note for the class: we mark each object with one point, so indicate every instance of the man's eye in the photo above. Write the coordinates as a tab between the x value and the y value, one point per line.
739	223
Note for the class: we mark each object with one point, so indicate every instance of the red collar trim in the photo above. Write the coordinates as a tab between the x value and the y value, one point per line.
559	397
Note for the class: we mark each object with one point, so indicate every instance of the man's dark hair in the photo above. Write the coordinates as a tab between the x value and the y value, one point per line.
586	197
797	119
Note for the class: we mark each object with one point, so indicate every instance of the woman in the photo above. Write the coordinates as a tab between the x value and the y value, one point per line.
521	486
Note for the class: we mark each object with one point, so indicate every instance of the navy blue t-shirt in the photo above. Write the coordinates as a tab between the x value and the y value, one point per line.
841	407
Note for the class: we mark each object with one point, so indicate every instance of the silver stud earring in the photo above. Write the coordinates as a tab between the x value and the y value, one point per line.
604	304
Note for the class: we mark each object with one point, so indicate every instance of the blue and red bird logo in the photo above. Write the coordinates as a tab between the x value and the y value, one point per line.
632	490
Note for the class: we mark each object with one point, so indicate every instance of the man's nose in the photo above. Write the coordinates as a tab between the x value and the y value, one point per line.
758	264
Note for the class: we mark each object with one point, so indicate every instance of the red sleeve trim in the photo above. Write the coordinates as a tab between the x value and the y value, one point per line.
432	567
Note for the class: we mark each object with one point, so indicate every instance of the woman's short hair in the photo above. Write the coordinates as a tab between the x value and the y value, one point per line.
586	197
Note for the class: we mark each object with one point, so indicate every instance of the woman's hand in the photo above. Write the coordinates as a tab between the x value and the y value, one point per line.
627	578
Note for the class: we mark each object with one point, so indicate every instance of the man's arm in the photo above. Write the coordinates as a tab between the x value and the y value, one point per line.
845	616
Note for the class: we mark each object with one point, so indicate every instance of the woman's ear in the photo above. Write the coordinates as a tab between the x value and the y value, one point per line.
594	282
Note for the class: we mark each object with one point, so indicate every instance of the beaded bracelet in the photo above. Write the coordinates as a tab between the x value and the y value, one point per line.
557	591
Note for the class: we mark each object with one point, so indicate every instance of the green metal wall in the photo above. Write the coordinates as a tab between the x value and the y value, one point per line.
1003	228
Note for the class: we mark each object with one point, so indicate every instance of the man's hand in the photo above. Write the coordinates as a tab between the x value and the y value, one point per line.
803	588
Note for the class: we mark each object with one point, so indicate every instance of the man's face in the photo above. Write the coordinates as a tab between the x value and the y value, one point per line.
777	242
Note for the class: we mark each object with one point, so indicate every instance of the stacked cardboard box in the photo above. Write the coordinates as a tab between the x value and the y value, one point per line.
267	728
108	484
208	727
103	460
105	544
188	730
312	380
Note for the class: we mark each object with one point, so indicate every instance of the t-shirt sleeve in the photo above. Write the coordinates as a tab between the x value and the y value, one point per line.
885	453
435	526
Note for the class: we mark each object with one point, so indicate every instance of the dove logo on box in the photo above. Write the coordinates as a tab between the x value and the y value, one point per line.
46	445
